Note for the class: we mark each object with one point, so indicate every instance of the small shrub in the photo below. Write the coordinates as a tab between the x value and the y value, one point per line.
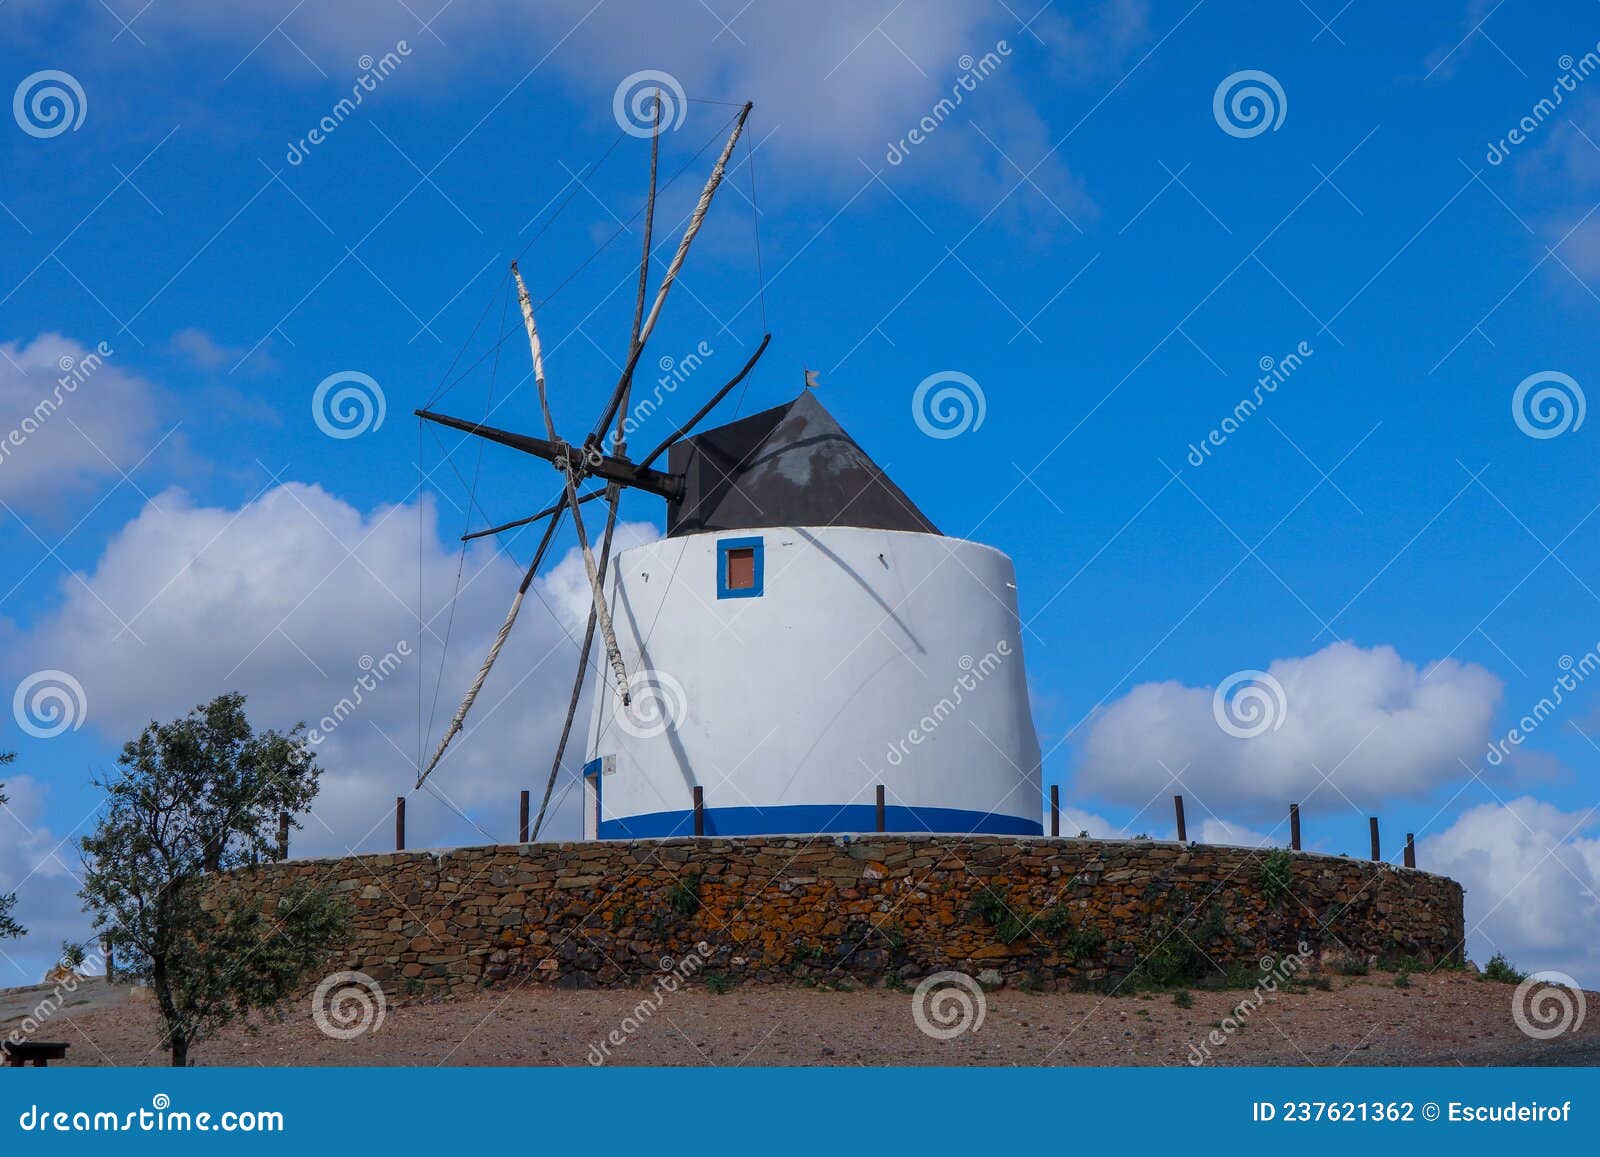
1183	998
1276	872
988	906
1350	964
1402	979
684	898
1502	971
1053	922
1085	941
718	983
1320	982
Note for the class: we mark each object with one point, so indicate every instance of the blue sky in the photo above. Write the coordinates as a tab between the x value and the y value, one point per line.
1081	236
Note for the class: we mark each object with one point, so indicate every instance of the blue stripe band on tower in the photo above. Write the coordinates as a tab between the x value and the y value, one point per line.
816	819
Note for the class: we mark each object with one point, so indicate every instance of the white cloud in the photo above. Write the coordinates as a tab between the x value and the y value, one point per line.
1532	875
69	415
1074	820
836	86
1218	831
1375	725
203	351
290	599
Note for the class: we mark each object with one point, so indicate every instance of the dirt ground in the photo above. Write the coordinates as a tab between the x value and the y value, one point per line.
1442	1019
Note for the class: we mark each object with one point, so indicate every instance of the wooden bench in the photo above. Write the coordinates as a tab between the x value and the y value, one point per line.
40	1053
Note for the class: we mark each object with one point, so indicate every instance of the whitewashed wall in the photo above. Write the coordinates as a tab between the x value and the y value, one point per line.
871	657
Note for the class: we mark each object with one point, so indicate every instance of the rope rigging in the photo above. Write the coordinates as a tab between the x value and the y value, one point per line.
576	462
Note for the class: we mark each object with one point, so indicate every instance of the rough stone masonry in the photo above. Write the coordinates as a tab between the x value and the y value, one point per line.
870	908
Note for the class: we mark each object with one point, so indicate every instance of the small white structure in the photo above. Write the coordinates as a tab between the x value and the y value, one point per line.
801	637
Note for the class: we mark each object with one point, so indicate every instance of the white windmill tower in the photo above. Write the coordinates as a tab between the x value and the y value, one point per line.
803	652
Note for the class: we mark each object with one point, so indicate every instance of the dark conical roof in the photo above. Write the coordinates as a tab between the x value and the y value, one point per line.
792	465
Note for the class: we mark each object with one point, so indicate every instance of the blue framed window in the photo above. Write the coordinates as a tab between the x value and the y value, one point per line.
740	568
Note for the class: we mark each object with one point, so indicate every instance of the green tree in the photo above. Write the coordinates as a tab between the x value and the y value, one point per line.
191	798
8	927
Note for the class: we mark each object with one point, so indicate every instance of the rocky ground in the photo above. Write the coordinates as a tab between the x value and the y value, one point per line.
1442	1019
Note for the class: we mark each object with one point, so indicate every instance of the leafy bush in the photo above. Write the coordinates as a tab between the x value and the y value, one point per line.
684	898
1277	871
1183	998
1501	970
989	907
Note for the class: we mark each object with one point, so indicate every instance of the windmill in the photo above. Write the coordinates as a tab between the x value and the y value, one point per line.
591	459
812	637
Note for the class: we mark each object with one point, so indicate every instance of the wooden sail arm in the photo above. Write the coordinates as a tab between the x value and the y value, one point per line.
588	496
619	470
710	405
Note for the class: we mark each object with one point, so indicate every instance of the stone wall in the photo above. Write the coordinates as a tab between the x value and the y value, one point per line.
1043	912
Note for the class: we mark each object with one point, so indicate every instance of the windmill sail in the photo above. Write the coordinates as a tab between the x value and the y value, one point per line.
576	465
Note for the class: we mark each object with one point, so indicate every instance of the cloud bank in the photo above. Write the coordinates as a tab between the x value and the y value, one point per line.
1346	725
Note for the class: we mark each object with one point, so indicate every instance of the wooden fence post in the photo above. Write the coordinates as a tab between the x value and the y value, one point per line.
1372	824
111	961
1411	850
699	810
522	822
283	835
880	809
399	823
1183	832
1055	809
1294	826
